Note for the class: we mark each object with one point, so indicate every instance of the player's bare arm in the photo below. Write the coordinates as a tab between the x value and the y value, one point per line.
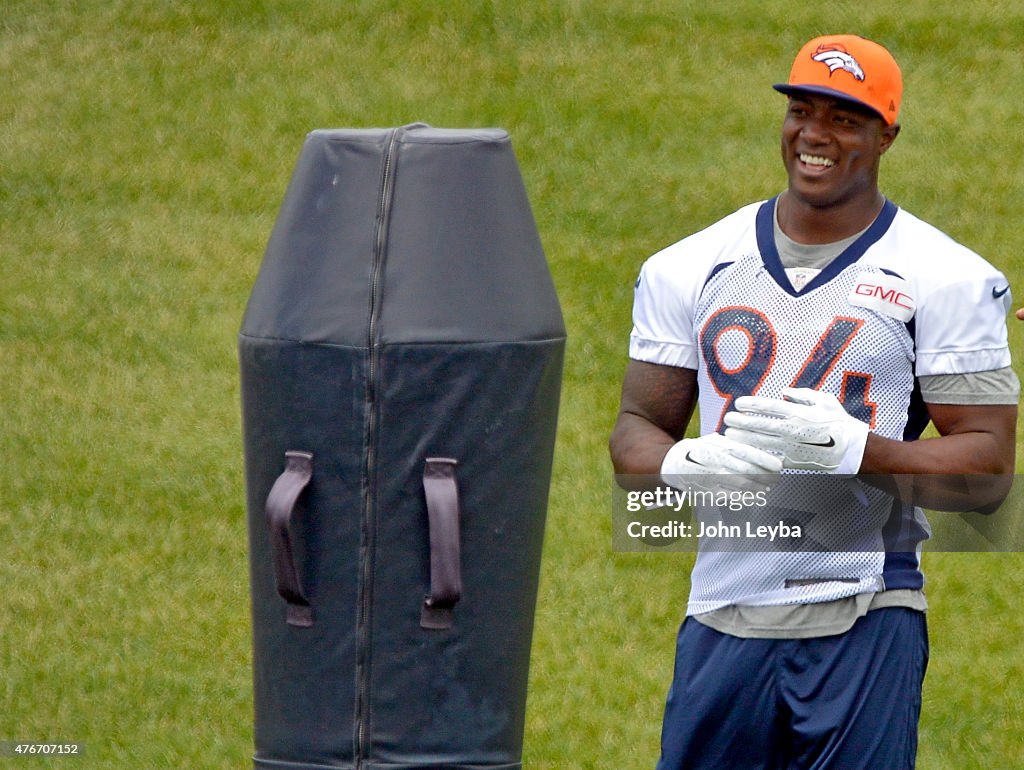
975	450
974	439
656	406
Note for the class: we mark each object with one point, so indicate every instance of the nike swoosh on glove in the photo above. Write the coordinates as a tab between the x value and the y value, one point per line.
730	462
809	428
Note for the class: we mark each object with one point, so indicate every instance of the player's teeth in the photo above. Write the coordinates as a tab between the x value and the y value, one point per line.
816	160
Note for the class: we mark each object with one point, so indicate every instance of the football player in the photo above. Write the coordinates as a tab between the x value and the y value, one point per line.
819	332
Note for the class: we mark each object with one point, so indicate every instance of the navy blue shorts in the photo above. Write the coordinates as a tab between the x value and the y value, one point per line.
849	701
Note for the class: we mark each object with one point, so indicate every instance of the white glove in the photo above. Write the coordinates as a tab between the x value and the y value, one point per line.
717	455
810	429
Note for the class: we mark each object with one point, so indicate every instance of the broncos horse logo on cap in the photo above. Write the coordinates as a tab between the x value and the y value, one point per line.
835	57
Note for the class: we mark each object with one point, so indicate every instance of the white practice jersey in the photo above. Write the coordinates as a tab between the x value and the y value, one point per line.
904	300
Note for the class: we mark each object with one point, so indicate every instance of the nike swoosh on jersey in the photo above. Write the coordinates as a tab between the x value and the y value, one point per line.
998	294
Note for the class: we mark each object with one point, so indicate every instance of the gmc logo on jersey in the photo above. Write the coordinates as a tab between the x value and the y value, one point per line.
890	295
884	293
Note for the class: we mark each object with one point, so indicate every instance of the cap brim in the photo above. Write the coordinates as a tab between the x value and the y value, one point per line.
795	90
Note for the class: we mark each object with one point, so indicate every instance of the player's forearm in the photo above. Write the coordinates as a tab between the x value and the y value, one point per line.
637	446
963	453
963	472
657	402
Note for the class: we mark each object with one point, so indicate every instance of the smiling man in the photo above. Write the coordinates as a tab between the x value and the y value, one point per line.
819	331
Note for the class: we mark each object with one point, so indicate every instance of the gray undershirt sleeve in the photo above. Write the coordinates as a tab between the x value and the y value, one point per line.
997	386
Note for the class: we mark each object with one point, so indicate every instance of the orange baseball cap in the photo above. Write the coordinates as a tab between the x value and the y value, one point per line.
848	67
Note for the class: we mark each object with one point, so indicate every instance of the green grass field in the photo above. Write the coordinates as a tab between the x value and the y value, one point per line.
144	149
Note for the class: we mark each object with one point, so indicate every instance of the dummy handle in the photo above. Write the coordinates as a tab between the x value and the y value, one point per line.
442	492
281	501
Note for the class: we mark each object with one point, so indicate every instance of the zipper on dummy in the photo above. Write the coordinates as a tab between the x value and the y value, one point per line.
369	525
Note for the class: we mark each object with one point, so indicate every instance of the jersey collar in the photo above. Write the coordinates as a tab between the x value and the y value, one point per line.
765	228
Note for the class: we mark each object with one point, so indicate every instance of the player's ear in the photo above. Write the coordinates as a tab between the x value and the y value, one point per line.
889	134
